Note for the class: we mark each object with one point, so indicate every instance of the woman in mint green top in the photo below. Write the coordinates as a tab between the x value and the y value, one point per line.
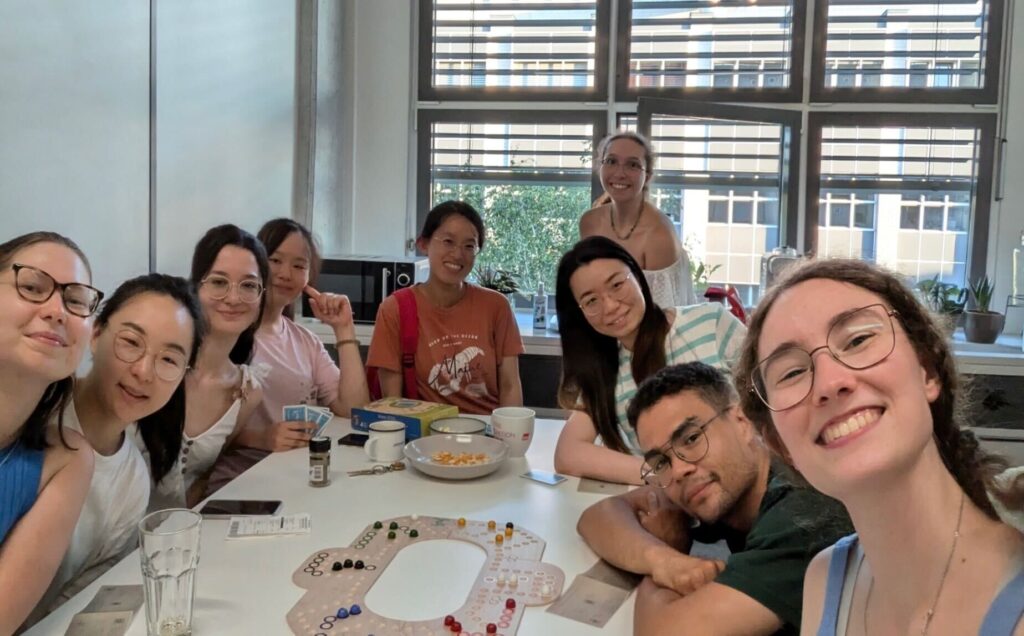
613	337
45	471
853	383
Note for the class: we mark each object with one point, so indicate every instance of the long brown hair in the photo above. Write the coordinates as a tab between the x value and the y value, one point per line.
275	232
974	469
590	360
58	394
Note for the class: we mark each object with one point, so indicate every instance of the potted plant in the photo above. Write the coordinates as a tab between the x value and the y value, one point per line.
500	280
980	323
945	299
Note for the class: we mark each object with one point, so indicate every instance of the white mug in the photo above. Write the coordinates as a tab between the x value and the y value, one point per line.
387	438
514	426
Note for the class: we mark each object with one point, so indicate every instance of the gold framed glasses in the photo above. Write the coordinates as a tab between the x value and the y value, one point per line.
219	287
617	289
169	365
689	442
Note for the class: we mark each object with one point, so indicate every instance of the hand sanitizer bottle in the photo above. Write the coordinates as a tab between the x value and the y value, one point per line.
540	308
1018	273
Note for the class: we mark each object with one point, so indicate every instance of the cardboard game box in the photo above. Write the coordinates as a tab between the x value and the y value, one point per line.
415	414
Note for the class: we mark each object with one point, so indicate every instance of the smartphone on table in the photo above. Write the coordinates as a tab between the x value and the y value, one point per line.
227	508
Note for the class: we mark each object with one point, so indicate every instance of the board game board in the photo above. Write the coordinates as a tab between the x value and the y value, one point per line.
337	580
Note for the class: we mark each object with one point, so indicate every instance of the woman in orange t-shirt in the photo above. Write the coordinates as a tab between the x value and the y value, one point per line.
468	343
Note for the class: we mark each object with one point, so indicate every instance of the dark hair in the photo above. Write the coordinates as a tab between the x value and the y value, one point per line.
442	211
974	469
711	386
57	394
274	232
590	360
602	152
206	252
162	430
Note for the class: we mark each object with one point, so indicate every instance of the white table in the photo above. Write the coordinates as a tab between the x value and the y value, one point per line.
245	586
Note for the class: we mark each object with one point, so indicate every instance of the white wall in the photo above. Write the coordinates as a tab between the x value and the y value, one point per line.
225	80
74	128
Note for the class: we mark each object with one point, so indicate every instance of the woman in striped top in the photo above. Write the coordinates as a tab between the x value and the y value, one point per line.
614	337
48	305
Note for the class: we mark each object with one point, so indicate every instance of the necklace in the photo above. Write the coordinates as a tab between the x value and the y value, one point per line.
10	451
611	216
942	581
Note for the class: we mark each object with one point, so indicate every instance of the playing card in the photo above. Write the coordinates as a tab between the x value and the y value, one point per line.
319	415
116	598
100	624
601	487
544	477
295	413
589	601
608	573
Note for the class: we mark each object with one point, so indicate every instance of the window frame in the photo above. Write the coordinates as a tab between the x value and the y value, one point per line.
426	117
789	219
792	94
429	93
978	228
821	93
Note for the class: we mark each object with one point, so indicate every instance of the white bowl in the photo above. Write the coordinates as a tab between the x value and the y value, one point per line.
420	453
457	426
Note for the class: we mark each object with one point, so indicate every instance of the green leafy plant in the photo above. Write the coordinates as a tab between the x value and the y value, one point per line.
500	280
945	298
701	273
981	291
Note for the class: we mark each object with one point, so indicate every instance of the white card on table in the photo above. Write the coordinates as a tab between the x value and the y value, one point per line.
246	527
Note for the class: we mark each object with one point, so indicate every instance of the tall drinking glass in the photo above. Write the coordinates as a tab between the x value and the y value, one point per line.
169	547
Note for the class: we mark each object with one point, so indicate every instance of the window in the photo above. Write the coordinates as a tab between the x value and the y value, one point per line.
947	48
546	50
528	174
918	187
721	48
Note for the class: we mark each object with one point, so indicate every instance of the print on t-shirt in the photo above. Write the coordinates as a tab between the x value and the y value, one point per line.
461	367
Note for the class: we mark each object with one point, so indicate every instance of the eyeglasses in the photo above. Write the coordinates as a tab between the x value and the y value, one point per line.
631	165
617	290
450	245
857	339
168	365
249	291
36	286
689	443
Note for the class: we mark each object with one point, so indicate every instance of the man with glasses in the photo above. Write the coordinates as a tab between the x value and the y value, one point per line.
709	477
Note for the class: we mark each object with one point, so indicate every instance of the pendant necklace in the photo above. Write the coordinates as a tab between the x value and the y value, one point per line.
611	216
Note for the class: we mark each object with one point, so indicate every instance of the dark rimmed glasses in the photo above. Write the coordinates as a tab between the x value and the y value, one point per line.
37	286
219	287
168	364
689	443
858	339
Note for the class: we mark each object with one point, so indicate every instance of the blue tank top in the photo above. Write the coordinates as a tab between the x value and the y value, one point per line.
1005	612
20	471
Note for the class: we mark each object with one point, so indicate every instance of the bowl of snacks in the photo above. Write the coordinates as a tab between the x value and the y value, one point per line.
457	426
449	456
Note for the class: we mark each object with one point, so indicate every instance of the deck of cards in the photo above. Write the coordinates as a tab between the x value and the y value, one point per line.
304	413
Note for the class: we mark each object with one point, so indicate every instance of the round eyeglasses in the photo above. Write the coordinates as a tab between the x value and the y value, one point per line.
168	364
618	289
858	339
36	286
689	443
219	287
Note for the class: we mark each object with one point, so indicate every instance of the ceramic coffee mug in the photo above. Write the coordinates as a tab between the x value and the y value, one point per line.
514	426
387	437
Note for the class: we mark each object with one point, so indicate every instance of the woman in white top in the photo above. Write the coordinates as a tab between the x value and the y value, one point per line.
145	338
625	163
229	273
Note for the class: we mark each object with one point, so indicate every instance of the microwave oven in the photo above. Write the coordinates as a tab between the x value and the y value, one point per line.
367	280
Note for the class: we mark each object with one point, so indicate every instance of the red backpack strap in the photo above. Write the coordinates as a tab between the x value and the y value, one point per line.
408	337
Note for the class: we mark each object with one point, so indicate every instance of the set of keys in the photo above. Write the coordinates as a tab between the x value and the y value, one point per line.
379	469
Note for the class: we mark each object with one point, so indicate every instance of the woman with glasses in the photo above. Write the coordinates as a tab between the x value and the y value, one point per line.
468	343
300	369
862	397
145	338
625	163
613	337
48	302
229	273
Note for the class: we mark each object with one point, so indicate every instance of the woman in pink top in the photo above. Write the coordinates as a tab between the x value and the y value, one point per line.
300	369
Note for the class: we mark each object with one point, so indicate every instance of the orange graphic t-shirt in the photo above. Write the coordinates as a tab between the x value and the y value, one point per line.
458	348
